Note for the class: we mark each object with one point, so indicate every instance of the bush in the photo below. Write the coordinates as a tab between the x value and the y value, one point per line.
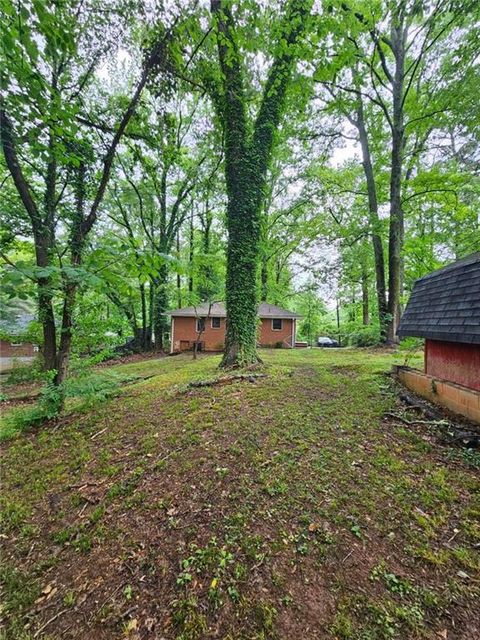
366	336
411	344
25	373
90	388
46	408
79	364
95	387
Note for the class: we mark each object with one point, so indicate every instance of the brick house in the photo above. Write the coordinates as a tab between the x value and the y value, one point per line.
444	308
277	327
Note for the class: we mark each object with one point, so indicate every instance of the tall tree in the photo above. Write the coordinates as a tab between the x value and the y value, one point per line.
248	151
53	58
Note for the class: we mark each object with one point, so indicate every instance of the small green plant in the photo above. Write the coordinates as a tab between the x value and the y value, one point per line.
47	408
342	626
69	599
394	584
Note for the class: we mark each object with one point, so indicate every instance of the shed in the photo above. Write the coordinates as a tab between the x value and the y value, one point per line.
444	308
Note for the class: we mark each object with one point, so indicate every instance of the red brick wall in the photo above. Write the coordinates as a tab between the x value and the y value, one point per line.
269	338
7	350
184	330
453	361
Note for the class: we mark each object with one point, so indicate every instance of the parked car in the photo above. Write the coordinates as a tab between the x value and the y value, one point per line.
325	341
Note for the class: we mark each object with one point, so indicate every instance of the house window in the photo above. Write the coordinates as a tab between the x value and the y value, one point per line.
215	323
277	324
200	325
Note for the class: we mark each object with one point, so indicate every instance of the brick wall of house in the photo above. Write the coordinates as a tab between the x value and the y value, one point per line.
21	350
454	361
185	334
268	337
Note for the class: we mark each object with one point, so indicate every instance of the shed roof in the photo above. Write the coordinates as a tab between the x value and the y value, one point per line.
265	310
445	304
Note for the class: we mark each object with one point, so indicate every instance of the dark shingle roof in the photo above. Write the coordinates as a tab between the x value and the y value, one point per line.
445	304
265	310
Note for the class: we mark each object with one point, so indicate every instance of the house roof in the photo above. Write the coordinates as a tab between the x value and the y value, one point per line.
445	304
265	310
16	323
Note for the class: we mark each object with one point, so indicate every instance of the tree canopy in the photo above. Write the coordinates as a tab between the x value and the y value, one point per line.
321	156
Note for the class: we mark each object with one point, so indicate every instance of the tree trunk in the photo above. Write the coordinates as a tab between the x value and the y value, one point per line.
264	278
190	256
205	286
377	241
247	159
46	313
179	278
65	347
70	286
144	334
395	240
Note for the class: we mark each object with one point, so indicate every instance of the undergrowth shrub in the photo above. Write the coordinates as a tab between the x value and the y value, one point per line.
95	387
411	344
21	372
366	336
80	364
88	388
46	408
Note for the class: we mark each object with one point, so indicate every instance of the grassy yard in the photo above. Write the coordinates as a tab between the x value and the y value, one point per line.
286	508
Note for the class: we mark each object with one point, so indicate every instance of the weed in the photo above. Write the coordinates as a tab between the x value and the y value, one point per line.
69	599
342	626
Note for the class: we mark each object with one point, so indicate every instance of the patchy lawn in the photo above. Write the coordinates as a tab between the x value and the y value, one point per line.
284	508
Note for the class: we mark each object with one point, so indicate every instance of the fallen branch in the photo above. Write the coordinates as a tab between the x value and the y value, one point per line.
251	377
57	615
453	433
98	433
434	423
422	406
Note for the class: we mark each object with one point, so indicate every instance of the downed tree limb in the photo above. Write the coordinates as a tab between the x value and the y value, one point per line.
421	405
250	377
434	423
451	432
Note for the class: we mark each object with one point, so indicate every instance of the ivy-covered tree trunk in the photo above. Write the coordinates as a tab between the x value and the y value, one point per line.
248	153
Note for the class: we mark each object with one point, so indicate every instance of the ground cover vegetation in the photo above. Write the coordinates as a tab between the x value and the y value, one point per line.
286	506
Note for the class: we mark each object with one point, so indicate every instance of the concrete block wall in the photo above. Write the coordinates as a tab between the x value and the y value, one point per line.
454	397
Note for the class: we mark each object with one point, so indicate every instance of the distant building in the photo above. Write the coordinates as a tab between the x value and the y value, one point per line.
12	343
277	327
